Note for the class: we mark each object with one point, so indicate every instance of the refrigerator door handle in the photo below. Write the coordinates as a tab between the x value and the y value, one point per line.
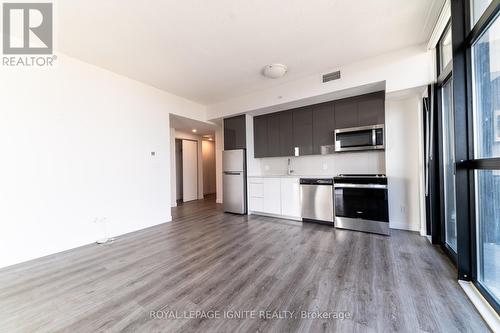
232	173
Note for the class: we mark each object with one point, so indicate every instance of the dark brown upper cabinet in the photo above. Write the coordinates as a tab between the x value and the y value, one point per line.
365	110
286	133
235	133
346	114
311	127
260	136
303	130
273	134
371	110
323	125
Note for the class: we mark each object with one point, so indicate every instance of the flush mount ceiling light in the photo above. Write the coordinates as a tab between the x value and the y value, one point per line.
194	130
274	71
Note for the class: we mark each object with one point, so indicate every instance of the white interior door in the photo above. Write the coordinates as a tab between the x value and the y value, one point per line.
189	170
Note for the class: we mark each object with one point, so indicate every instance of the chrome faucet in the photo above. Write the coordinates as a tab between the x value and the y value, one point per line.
289	169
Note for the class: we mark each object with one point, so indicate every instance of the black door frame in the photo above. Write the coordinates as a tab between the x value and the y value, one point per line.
437	173
464	37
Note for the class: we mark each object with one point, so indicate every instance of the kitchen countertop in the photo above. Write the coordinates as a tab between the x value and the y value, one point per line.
291	176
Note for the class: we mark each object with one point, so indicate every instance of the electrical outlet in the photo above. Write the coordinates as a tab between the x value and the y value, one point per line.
266	167
403	209
103	221
325	166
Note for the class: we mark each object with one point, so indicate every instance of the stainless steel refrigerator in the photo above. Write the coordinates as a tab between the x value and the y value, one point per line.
234	181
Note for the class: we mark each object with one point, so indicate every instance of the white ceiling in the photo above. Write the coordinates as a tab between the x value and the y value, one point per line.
209	51
187	125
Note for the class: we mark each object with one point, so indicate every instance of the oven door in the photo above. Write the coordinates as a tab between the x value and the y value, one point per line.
362	201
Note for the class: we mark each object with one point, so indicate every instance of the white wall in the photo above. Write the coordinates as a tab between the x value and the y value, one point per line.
322	165
404	161
76	144
402	69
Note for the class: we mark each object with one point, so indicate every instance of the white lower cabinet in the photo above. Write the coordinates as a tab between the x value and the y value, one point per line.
255	194
290	197
274	195
256	204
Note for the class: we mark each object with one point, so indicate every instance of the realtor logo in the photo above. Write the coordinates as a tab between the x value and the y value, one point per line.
27	28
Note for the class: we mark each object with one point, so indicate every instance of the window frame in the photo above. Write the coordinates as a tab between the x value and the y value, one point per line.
446	70
443	74
464	36
438	213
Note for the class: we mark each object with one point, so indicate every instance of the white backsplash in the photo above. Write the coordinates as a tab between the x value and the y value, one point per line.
333	164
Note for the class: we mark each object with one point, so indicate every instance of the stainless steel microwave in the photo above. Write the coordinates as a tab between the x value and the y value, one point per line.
360	138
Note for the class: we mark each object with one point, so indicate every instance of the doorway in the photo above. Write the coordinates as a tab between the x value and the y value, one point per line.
178	169
196	160
186	157
209	173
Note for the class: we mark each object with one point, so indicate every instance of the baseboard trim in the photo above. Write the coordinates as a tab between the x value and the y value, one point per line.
483	307
284	217
116	236
399	226
403	226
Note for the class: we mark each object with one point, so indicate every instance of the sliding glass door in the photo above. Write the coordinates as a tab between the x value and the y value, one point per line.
476	102
448	165
446	131
488	230
486	114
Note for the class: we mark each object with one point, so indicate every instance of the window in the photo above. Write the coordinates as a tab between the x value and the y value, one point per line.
486	111
486	73
477	143
478	7
445	49
496	120
446	134
488	230
448	162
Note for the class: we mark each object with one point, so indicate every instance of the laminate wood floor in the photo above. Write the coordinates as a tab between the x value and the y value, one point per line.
219	264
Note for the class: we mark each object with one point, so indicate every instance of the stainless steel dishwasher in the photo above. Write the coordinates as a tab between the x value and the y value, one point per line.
316	198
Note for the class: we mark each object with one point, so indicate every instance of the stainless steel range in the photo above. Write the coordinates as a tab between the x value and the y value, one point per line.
361	203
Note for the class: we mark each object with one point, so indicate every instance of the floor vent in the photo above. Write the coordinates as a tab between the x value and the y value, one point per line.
331	76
